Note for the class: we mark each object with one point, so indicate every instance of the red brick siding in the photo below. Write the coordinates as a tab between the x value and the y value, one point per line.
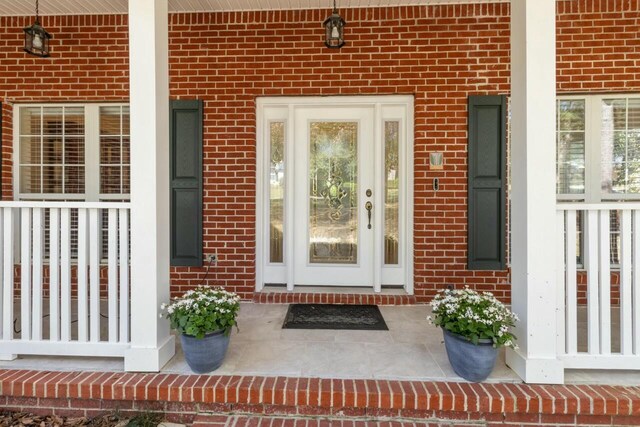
598	48
441	54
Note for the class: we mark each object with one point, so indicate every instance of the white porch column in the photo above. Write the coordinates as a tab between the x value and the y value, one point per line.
533	199
151	344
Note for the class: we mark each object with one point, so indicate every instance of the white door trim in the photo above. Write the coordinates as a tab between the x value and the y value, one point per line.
386	107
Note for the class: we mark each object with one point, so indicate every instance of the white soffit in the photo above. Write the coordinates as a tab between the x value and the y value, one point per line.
98	7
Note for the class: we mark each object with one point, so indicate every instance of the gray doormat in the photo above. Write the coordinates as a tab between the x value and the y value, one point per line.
334	316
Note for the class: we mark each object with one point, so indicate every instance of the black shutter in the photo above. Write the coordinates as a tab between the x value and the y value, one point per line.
487	183
186	182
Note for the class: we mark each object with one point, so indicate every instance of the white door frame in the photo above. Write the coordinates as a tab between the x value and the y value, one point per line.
282	109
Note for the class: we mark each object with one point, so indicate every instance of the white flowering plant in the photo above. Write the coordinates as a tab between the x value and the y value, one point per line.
203	310
474	316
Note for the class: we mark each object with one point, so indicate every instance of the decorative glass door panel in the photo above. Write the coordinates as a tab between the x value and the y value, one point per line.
333	193
333	171
391	191
276	191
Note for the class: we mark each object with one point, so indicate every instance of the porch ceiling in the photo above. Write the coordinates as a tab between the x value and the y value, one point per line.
82	7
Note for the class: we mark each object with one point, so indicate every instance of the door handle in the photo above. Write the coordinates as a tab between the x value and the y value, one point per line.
368	206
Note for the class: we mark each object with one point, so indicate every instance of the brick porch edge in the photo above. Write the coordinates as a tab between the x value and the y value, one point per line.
183	396
266	297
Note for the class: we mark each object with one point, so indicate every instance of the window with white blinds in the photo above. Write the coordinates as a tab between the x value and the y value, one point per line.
598	155
51	146
570	145
114	150
72	152
598	148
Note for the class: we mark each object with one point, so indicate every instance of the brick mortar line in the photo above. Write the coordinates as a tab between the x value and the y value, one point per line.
233	390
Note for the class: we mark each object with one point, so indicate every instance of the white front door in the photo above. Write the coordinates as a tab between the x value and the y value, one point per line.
333	196
335	191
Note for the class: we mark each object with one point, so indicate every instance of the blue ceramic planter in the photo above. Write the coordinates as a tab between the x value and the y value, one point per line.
472	362
205	354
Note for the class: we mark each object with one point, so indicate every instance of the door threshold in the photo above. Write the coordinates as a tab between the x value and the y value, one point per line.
364	290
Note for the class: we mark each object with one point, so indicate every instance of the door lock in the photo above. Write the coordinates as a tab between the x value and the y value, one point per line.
368	192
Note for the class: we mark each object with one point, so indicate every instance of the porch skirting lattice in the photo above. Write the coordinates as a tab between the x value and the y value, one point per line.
183	397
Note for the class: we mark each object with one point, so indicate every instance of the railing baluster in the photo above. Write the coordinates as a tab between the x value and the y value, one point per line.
605	283
83	311
6	286
38	246
112	241
94	274
626	325
636	282
591	263
25	274
65	274
7	275
54	273
2	282
572	288
124	274
560	285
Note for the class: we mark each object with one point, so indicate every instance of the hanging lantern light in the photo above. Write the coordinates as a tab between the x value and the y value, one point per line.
36	38
334	29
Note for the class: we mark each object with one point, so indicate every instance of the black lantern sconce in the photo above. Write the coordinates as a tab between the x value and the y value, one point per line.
334	29
36	38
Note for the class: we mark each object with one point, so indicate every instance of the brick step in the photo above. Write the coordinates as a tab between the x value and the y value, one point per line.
184	397
267	297
215	420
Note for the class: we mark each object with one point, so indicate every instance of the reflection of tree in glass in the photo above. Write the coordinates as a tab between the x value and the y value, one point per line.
277	142
333	227
276	196
570	167
391	189
620	145
333	163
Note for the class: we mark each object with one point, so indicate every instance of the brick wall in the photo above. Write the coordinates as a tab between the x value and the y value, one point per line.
440	54
598	47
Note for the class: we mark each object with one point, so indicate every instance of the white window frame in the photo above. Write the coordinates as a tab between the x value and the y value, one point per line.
91	156
593	153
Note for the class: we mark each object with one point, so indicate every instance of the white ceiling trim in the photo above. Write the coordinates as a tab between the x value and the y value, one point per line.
102	7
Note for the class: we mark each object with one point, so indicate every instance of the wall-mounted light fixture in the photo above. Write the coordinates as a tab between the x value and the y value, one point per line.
334	29
36	38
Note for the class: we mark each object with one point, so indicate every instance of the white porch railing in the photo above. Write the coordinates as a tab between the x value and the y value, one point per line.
62	248
604	333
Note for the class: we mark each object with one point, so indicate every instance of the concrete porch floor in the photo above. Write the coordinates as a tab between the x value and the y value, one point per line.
410	349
